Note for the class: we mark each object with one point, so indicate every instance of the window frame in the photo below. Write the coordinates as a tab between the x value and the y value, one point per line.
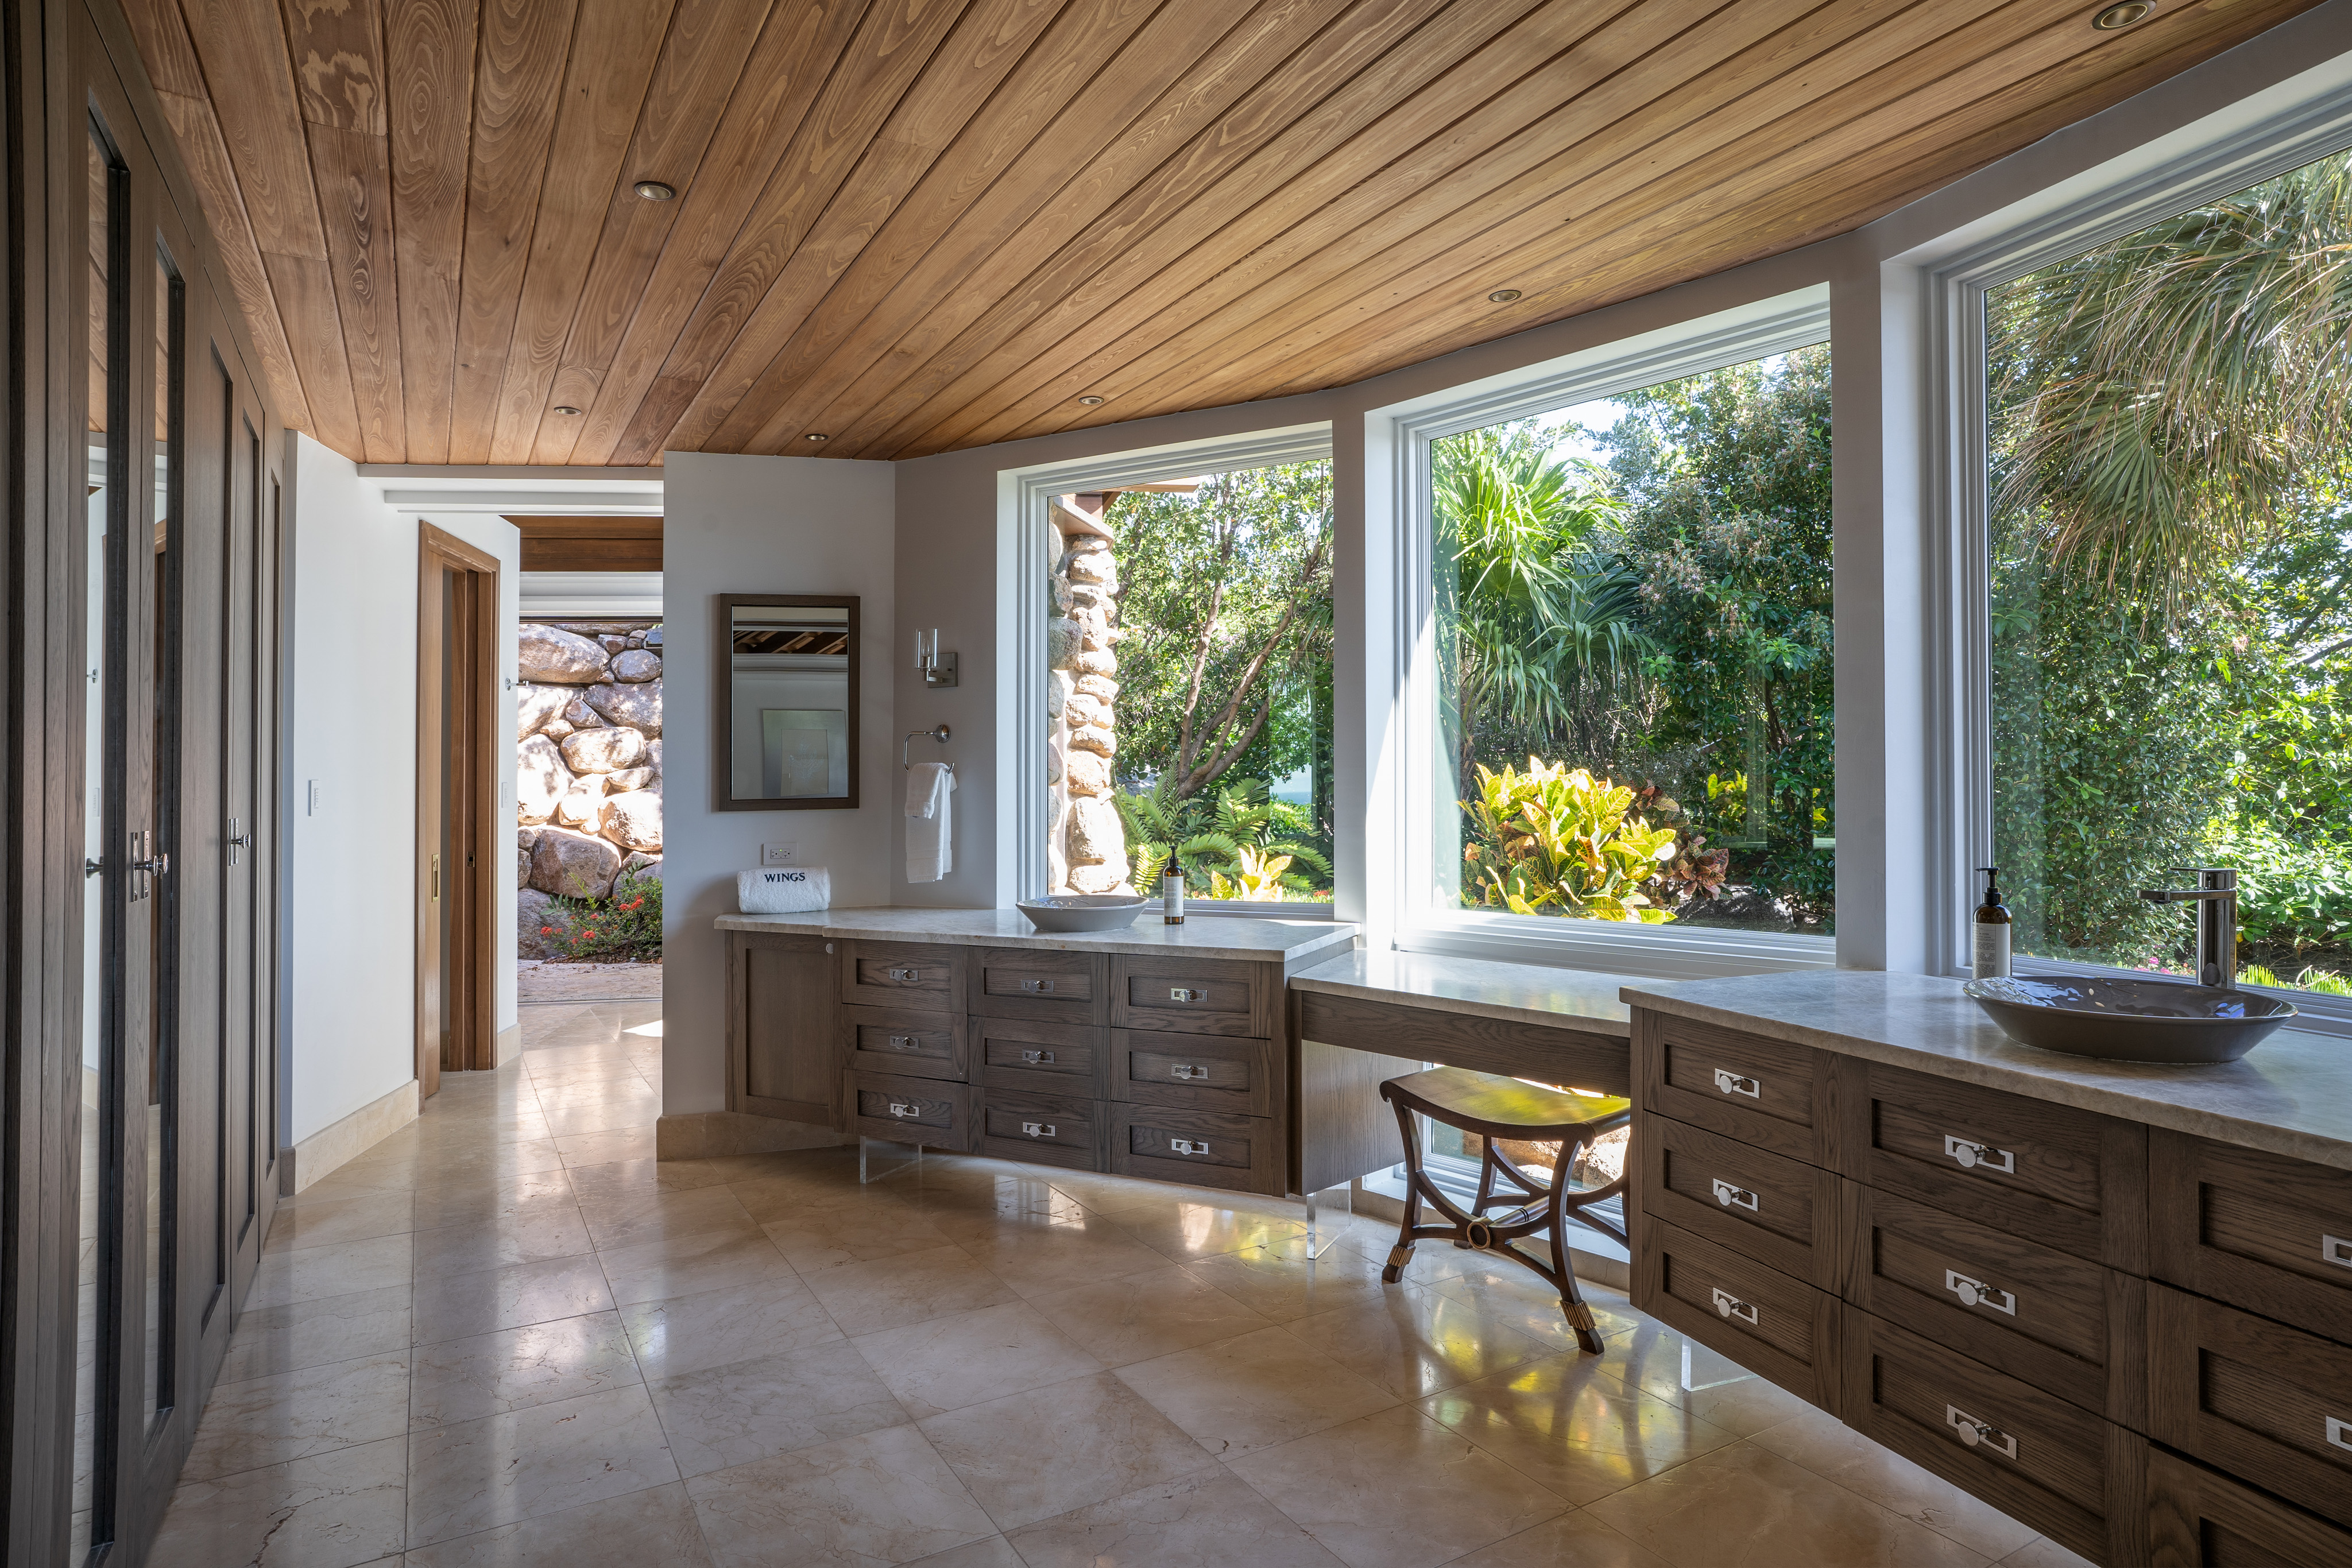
1796	319
1027	543
2161	183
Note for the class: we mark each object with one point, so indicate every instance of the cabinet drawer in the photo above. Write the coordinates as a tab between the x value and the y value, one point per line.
924	1111
1766	1092
2068	1178
1205	1148
2062	1324
2253	1398
1776	1327
1038	983
905	1040
1042	1129
2070	1475
2271	1234
1203	1073
1064	1059
1777	1210
2197	1518
1193	996
902	975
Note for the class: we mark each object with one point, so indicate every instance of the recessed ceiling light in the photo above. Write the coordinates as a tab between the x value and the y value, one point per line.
814	436
656	190
2117	18
1091	400
1504	296
565	408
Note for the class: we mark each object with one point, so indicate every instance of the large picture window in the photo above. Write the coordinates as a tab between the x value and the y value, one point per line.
1633	666
2169	435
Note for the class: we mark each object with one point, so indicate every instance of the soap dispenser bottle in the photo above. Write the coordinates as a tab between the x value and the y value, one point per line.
1172	890
1992	929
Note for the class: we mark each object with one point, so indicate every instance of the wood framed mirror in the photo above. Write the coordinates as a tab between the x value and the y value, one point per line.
787	694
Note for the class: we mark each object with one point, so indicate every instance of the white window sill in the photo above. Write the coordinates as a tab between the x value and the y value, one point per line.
1649	952
1244	909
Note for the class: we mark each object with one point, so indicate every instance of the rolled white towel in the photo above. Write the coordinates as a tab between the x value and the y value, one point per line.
784	890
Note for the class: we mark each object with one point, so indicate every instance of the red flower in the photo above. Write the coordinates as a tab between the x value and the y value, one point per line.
547	931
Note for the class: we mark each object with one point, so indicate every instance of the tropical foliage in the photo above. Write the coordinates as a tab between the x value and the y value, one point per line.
1242	844
624	927
1560	839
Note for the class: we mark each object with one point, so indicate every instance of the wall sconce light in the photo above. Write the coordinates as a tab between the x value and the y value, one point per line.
936	669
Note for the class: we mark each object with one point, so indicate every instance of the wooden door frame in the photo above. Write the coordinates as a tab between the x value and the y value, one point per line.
438	552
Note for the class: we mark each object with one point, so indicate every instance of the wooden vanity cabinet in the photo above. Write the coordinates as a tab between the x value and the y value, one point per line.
784	1052
2259	1230
2199	1518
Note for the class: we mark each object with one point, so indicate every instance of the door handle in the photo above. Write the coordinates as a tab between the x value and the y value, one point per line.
2339	1433
902	1042
907	976
437	877
1039	988
899	1108
1039	1129
2336	1250
1978	1434
1728	1305
1182	994
1187	1071
236	840
1732	1196
1037	1057
1973	1156
145	859
1976	1293
1728	1082
1189	1145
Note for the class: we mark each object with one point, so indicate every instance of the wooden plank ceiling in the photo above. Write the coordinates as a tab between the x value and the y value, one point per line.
910	225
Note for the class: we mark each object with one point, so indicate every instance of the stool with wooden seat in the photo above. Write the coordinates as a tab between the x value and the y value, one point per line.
1497	1108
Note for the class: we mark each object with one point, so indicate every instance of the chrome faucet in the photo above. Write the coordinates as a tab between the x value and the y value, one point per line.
2216	897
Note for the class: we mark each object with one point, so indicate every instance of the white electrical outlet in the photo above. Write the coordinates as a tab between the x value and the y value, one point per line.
779	854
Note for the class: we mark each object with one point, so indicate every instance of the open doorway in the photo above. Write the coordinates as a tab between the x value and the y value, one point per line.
456	806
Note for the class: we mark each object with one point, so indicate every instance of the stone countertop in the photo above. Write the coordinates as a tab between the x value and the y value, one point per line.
1204	936
1521	993
2291	1095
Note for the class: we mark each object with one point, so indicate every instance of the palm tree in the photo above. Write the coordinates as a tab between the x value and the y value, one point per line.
1536	610
2163	394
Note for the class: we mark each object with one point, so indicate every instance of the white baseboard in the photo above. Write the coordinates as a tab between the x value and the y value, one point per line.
508	1046
338	1143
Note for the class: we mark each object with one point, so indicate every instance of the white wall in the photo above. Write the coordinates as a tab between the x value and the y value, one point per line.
762	524
352	727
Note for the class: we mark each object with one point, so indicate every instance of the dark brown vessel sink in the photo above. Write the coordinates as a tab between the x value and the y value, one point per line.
2169	1021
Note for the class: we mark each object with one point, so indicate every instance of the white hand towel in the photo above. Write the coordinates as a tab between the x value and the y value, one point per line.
930	835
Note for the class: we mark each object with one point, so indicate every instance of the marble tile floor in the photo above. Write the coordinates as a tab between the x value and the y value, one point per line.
508	1336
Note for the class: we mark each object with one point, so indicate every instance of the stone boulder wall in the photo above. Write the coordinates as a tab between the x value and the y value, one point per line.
1086	843
637	705
588	795
540	779
550	653
574	864
636	664
604	750
632	820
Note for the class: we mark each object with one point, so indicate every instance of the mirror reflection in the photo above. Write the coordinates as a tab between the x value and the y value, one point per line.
792	710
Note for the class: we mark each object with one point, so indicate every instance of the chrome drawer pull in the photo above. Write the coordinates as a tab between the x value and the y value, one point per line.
1039	1129
2336	1250
1189	1145
909	975
1978	1434
1731	1083
898	1108
1037	1057
902	1042
1187	1071
1732	1196
2339	1433
1040	987
1976	1293
1182	994
1973	1156
1728	1305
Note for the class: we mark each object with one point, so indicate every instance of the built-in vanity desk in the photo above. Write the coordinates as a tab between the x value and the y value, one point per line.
1157	1051
2112	1301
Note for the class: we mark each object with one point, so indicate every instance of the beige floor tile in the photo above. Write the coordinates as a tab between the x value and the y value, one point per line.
722	1416
1528	1304
1566	1424
687	1265
826	1166
711	1328
270	1339
472	1165
824	1229
1742	1504
643	1175
553	1229
1138	1316
1188	1228
1397	1491
891	1292
1660	1362
293	1415
654	1527
946	1364
616	1114
314	1273
880	1498
603	1149
352	1220
510	1196
1413	1343
512	1369
629	1219
1253	1392
1831	1448
2043	1552
479	1475
1209	1516
331	1510
1281	1283
989	1551
460	1306
347	1182
1032	1456
1572	1541
967	1203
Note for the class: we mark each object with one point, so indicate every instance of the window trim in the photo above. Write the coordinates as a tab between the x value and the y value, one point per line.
2159	185
1796	319
1027	544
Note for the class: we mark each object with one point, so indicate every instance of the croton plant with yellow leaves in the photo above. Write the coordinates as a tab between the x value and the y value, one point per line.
1557	841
